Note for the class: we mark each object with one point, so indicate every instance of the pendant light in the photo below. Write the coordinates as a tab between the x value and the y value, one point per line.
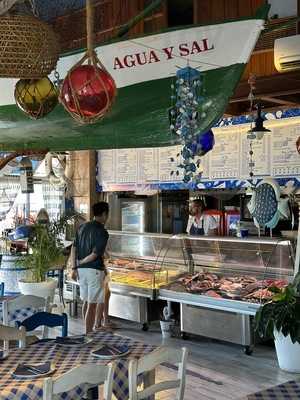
258	131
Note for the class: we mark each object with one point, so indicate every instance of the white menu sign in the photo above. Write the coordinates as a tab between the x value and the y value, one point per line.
148	167
126	165
261	156
168	170
285	158
275	155
107	166
224	158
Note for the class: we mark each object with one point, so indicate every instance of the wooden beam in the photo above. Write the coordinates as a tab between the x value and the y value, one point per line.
11	156
268	96
278	101
243	111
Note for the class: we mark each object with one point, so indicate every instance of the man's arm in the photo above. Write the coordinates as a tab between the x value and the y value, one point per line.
90	258
98	250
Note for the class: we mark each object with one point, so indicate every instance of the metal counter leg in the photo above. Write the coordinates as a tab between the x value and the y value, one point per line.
248	350
145	327
61	286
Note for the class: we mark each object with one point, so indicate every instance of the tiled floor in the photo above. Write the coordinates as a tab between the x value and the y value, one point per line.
215	370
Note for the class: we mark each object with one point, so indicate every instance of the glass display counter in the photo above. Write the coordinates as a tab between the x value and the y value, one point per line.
225	281
138	268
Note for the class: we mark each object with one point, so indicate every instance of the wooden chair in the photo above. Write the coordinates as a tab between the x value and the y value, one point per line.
91	374
8	334
149	363
46	319
20	307
23	302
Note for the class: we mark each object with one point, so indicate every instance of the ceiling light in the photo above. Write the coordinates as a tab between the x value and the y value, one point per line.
258	131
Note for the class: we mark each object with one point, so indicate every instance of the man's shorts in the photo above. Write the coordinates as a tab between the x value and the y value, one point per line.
91	282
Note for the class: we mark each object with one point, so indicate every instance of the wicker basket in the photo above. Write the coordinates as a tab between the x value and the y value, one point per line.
29	48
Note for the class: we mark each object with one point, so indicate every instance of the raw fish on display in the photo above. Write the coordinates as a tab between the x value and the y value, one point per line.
242	287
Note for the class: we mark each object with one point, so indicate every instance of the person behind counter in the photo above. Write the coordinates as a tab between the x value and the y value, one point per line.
200	223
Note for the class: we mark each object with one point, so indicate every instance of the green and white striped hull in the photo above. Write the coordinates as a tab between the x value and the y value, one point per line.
143	69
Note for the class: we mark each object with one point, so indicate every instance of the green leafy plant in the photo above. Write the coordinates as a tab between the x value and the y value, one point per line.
46	248
45	251
281	313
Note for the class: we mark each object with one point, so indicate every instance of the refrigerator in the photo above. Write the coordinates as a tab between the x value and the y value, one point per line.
133	216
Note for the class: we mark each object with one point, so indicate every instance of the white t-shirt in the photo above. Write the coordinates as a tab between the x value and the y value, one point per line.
207	222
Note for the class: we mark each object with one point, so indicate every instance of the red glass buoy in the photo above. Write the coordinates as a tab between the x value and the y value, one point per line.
88	92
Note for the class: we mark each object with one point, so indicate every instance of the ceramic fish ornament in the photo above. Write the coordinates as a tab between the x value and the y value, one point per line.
266	206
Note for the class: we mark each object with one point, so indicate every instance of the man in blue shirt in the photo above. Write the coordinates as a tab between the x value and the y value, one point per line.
88	263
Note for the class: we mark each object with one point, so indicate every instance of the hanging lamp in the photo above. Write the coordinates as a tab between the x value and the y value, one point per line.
88	91
258	130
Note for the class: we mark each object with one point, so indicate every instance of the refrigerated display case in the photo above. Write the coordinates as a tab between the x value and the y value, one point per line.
133	216
225	281
138	268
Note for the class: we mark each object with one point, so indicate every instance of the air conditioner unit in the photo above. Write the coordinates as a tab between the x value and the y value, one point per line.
287	53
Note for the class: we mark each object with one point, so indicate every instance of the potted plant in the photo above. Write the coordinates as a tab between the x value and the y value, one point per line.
280	319
46	251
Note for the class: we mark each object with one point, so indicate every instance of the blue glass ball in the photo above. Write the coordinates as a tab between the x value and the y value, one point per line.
206	142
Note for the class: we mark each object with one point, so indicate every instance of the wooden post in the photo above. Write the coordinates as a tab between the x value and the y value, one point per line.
84	182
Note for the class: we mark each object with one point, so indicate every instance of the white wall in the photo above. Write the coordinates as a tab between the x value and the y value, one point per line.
284	8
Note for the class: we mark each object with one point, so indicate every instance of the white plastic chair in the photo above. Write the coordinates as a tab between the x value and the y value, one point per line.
91	374
149	363
22	302
8	333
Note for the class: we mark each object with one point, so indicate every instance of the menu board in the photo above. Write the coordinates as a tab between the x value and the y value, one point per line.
261	155
126	160
107	164
285	158
274	155
169	159
224	159
148	167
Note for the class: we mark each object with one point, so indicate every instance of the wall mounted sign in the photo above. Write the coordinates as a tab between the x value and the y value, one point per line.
225	166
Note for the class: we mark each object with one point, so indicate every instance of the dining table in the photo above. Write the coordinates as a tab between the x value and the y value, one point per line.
285	391
63	359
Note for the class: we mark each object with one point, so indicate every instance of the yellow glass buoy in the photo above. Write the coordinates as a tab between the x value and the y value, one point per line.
36	97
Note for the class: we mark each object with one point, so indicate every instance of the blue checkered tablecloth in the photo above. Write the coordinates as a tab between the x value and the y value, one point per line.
286	391
64	359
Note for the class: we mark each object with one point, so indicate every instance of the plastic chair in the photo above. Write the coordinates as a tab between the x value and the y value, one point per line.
1	289
91	374
46	319
149	363
8	333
